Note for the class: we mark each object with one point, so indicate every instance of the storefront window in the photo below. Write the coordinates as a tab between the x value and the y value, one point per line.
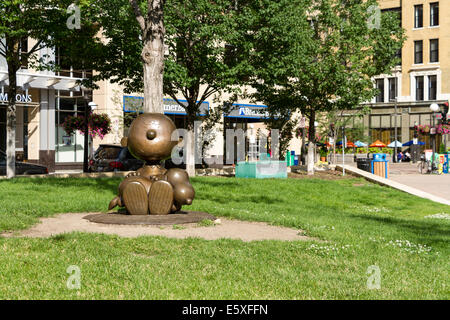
423	119
22	117
382	127
2	128
68	147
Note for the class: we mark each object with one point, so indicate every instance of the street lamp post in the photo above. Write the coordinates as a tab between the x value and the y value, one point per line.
434	108
415	141
89	107
395	129
344	144
316	124
444	116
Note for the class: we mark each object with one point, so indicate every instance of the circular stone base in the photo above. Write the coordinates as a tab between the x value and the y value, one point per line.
180	217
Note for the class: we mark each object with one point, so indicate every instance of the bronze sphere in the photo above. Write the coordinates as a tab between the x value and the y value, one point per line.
149	137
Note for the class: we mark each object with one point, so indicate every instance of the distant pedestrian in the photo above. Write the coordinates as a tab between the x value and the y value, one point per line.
407	157
399	156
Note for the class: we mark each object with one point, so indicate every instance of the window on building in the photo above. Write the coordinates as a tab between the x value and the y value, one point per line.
434	14
382	127
397	11
67	66
398	55
392	88
432	87
418	16
423	119
418	51
230	55
380	87
23	51
434	50
419	88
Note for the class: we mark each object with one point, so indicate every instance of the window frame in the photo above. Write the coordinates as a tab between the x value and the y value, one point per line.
379	98
430	95
420	88
394	79
418	19
417	52
434	15
434	52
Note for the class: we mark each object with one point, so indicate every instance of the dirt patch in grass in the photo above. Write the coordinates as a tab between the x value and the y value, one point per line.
325	175
232	229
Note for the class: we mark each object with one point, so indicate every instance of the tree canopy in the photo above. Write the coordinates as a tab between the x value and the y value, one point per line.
320	55
203	56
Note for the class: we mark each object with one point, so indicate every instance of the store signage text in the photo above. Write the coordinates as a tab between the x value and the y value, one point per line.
248	111
19	98
170	106
173	108
255	112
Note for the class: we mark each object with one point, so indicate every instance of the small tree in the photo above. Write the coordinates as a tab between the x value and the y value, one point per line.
45	21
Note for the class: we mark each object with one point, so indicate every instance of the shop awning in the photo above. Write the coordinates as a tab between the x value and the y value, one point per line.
377	144
28	80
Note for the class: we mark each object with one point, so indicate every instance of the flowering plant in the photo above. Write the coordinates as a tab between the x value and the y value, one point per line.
440	128
443	129
98	124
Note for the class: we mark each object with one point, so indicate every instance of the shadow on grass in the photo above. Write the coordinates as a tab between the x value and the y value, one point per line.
100	184
244	198
429	231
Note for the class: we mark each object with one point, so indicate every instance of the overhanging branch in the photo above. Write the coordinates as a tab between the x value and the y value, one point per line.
138	14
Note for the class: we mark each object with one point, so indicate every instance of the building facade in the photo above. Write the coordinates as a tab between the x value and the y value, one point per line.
44	100
422	77
244	115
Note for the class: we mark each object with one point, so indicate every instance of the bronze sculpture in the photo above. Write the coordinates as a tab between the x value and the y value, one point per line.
152	189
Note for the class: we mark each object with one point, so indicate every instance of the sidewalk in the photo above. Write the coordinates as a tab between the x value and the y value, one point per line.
432	187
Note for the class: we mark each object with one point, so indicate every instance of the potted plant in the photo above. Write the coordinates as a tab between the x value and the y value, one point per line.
323	154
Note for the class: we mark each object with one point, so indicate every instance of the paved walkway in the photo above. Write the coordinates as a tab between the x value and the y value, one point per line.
408	174
410	187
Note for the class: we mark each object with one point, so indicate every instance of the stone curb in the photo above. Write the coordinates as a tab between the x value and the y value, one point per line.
73	175
199	172
393	184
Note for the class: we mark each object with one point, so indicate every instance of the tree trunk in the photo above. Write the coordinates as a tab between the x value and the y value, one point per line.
303	150
311	143
190	153
11	136
153	58
11	115
190	146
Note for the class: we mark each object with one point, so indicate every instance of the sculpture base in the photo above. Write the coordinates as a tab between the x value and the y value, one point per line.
180	217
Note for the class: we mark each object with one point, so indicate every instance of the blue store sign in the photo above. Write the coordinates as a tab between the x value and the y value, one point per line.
249	111
136	104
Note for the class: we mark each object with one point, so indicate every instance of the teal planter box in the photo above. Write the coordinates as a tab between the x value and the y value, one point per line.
261	169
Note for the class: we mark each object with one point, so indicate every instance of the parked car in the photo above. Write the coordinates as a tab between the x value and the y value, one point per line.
110	157
21	167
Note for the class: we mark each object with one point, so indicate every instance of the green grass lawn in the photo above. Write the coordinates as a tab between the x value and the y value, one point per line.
359	224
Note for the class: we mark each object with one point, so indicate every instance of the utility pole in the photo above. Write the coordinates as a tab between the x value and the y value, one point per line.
344	143
395	131
395	121
86	135
433	141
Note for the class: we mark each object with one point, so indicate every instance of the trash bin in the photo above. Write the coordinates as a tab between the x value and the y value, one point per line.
363	164
445	169
380	165
379	157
